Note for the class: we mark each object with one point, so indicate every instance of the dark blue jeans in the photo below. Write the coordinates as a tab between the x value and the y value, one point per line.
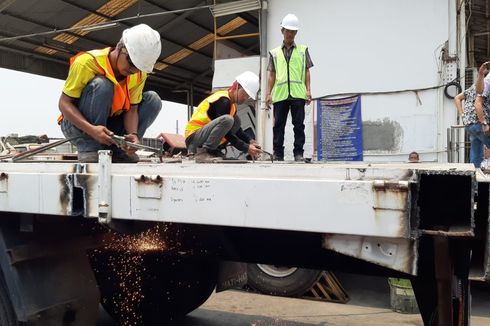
281	110
211	134
95	105
477	140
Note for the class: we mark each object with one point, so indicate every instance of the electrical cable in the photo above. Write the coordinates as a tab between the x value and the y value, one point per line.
452	83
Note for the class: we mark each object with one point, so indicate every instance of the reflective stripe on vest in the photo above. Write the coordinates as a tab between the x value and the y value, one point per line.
121	99
200	117
294	83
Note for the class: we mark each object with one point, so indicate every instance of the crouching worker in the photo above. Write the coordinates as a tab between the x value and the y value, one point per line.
103	95
214	123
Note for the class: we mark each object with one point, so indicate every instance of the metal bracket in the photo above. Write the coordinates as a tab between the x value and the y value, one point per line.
450	72
389	252
105	187
149	186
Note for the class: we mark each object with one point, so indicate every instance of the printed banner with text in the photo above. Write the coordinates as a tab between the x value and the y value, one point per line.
339	129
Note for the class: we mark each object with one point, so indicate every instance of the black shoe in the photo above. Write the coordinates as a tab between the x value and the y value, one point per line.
125	158
216	152
278	157
299	158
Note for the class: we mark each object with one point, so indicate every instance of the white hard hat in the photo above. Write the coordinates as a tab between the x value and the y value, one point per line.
143	45
290	22
250	83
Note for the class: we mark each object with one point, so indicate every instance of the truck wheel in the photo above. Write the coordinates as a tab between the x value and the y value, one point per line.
282	281
165	288
7	313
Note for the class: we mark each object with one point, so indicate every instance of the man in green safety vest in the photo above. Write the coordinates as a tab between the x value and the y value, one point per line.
288	87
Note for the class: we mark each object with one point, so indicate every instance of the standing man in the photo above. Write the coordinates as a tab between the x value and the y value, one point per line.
466	106
288	87
214	123
478	128
103	95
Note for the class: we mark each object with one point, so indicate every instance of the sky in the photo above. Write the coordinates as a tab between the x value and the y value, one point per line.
29	106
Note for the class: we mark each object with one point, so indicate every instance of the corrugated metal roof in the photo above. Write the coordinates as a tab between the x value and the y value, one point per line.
187	37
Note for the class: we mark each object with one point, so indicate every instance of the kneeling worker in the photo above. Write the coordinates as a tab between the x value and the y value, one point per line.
215	121
103	95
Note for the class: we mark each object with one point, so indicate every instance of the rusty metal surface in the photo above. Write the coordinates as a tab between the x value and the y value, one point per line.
397	254
463	233
3	182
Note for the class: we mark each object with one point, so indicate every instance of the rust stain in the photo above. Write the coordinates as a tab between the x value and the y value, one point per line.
393	196
87	184
65	193
450	234
150	179
3	176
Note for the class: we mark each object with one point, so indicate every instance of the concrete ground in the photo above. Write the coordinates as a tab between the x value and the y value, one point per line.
368	306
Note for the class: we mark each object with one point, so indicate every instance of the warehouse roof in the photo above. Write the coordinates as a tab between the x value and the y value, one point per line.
33	40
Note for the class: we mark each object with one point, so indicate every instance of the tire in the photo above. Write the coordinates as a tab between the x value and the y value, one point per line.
281	281
7	313
168	287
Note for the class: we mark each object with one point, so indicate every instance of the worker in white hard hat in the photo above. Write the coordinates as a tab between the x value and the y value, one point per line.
215	122
103	95
288	87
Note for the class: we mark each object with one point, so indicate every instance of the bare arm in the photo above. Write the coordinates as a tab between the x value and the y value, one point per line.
308	88
70	112
481	117
131	120
271	80
479	109
458	101
482	72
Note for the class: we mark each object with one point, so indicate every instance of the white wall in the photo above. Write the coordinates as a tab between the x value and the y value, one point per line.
372	46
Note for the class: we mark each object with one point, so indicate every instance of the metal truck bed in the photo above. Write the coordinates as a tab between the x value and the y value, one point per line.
428	222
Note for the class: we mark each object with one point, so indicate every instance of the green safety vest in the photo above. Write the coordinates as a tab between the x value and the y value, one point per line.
290	78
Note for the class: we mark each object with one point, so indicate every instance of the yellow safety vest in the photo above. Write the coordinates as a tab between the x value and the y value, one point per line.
200	117
121	100
290	78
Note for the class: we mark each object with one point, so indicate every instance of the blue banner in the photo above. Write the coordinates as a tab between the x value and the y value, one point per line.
339	129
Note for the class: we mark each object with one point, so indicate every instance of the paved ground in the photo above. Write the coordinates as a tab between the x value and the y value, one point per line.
369	306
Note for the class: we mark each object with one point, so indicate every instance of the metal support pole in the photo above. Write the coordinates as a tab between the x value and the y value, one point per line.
442	287
105	187
454	145
191	96
189	107
263	110
443	273
449	146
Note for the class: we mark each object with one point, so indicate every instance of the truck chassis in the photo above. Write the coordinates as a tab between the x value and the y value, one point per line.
425	222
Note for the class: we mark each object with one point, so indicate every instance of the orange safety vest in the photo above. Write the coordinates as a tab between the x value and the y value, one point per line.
200	117
121	100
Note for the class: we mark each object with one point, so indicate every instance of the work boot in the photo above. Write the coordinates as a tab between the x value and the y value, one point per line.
299	158
278	157
88	157
125	158
205	155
